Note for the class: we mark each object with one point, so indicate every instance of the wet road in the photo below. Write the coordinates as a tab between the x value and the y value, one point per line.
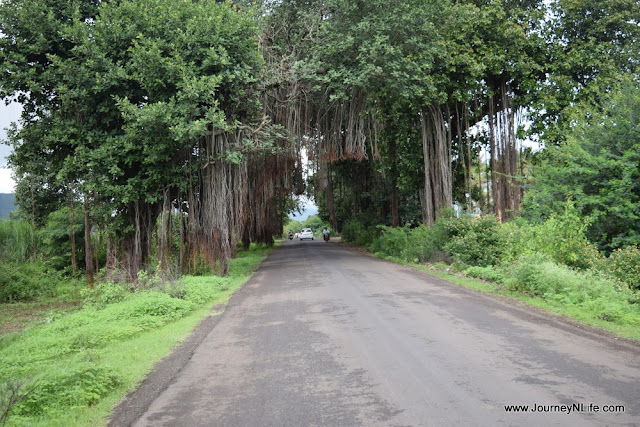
322	335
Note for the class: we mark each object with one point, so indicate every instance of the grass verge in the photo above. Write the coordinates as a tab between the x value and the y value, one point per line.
72	370
627	330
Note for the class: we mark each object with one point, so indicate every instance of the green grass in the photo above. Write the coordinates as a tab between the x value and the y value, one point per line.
83	363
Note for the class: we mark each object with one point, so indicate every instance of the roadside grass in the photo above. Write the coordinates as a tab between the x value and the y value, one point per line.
627	325
80	364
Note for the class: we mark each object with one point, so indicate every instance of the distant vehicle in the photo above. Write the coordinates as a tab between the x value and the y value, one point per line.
306	233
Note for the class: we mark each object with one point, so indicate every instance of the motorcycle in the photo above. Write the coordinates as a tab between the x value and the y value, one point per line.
326	237
290	236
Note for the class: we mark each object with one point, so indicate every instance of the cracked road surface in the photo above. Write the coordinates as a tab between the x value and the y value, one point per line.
325	336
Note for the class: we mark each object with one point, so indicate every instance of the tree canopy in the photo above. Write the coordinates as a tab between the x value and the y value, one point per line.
215	113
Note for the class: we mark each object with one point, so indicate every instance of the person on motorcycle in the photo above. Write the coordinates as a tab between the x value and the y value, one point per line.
290	235
325	234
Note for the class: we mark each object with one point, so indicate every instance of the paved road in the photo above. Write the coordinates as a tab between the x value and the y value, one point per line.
325	336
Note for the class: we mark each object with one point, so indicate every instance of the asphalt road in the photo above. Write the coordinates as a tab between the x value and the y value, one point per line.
323	335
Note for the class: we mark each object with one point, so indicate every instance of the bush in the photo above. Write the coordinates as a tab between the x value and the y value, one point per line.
421	245
105	293
480	243
155	304
79	387
517	238
200	292
536	274
27	281
486	273
562	237
624	264
355	232
391	242
447	227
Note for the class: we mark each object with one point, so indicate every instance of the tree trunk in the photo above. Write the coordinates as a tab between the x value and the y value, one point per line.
72	235
164	233
497	202
395	217
88	256
330	203
428	213
33	219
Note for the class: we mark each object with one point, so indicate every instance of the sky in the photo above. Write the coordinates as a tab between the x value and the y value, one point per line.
308	208
8	114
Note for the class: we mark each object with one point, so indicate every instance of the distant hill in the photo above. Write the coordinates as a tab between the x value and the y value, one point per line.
310	210
6	204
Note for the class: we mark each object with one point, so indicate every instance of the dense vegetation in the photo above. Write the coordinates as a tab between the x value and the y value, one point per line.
191	119
158	137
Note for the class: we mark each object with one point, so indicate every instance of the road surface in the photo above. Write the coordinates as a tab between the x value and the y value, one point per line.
325	336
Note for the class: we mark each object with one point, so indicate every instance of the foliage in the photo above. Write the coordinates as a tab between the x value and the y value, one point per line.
599	167
293	225
423	244
480	244
355	232
313	222
16	240
54	235
105	293
489	273
562	238
624	264
390	242
537	275
591	43
203	292
28	280
80	386
73	361
13	392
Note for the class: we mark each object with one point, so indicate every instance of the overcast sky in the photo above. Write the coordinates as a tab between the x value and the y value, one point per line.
8	114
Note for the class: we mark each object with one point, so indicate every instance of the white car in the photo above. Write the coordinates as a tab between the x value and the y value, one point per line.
306	233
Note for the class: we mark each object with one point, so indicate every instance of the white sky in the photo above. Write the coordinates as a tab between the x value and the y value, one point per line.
8	114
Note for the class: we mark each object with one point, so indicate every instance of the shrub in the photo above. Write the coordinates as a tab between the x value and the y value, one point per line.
624	264
538	275
477	242
447	227
421	244
391	242
355	232
486	273
563	238
530	274
105	293
27	281
517	238
155	304
201	292
79	387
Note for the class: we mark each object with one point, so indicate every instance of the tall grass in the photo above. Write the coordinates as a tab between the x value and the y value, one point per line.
17	238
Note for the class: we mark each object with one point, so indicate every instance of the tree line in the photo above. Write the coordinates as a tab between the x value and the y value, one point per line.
183	128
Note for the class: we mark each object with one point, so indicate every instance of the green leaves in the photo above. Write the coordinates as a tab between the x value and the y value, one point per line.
600	166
